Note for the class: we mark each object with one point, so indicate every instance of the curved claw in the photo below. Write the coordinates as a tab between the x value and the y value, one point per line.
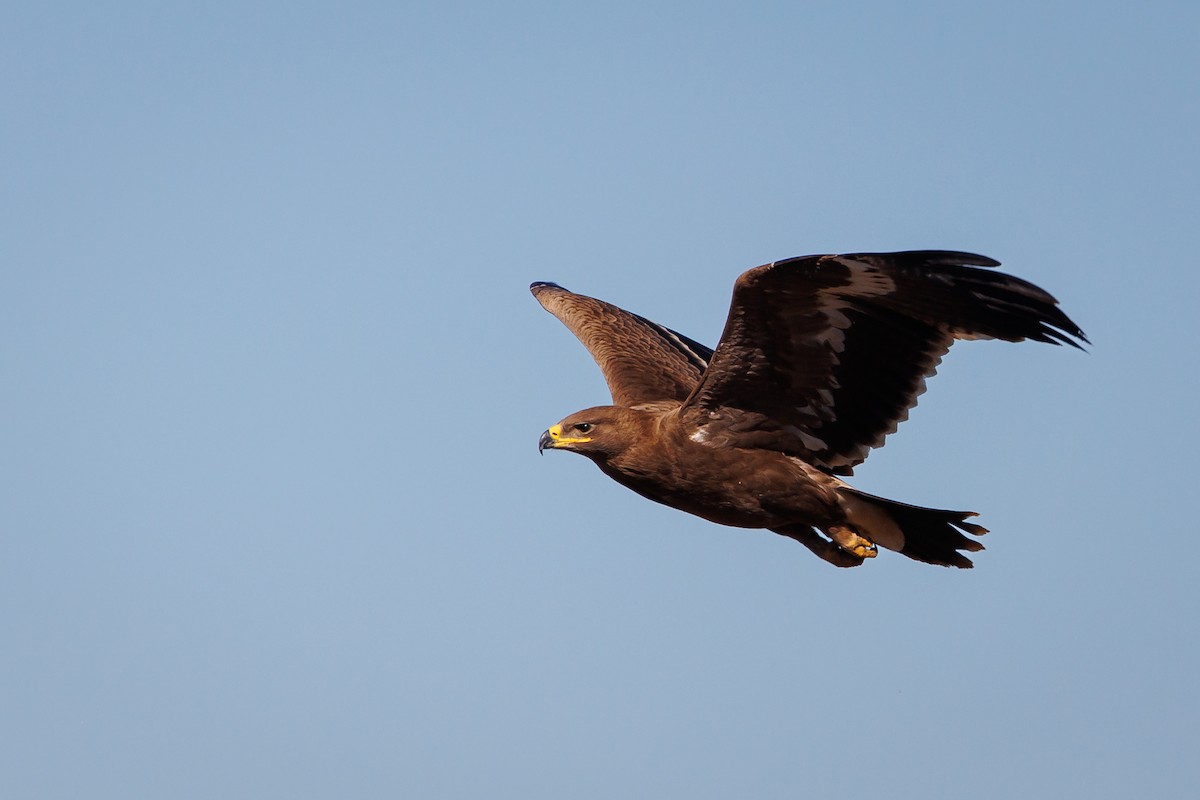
820	546
849	540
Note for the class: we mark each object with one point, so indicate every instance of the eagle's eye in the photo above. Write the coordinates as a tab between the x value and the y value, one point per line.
583	427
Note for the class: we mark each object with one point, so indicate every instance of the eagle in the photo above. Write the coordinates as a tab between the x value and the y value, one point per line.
821	358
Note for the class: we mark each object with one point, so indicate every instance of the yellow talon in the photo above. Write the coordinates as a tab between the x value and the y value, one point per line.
851	542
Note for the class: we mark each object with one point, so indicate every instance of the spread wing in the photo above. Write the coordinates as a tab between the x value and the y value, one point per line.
823	356
642	361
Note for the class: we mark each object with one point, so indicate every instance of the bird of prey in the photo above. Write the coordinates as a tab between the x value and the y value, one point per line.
821	358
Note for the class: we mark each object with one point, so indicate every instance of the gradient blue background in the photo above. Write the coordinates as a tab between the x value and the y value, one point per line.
273	522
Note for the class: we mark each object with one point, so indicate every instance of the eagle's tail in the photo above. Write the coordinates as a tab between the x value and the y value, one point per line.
932	535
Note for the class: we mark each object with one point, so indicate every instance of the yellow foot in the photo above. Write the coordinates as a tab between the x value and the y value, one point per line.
851	542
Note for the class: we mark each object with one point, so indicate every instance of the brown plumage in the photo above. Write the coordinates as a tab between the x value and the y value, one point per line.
821	358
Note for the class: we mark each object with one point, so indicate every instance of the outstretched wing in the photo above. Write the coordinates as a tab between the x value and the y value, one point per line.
823	356
642	361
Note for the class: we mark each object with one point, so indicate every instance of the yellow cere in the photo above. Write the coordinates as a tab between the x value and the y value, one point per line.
555	432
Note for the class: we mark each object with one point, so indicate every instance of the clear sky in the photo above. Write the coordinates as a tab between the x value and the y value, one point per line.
273	521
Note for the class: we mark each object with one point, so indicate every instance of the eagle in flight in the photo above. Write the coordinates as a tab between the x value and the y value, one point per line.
821	358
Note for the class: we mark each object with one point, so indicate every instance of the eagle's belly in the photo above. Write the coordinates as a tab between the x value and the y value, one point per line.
739	487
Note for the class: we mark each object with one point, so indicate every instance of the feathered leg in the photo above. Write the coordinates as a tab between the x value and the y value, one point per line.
822	547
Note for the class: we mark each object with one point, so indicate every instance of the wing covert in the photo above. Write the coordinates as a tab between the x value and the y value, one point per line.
642	362
823	356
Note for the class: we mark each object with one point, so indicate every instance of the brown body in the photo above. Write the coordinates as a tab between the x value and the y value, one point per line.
735	486
821	358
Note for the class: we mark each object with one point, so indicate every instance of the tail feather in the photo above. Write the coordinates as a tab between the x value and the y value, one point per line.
932	535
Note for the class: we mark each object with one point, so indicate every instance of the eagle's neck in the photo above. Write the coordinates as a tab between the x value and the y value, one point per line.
649	439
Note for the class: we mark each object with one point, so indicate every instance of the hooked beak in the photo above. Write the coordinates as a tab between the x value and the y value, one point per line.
553	438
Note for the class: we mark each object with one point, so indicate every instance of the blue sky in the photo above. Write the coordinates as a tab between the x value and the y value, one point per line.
274	520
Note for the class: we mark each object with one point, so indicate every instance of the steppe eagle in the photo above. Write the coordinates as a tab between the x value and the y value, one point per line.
821	358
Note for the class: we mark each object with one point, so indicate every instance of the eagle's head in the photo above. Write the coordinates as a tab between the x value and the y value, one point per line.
598	433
